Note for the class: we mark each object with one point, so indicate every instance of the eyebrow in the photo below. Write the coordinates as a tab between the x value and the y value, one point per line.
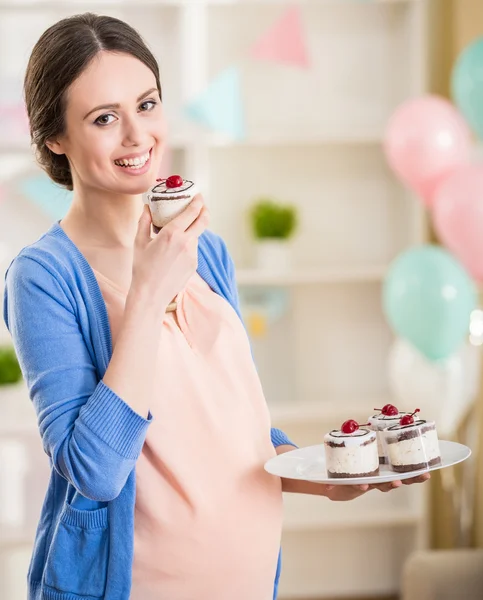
110	106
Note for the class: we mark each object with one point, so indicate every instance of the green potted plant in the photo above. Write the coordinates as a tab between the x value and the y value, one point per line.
10	372
273	225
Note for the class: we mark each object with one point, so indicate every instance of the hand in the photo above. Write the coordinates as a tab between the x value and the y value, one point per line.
342	493
387	487
162	266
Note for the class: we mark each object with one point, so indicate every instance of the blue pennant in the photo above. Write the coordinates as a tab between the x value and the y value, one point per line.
219	106
50	197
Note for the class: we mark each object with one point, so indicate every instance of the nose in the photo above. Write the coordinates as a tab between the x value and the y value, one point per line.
133	131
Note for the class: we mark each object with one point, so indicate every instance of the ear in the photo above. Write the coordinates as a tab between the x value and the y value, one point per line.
55	146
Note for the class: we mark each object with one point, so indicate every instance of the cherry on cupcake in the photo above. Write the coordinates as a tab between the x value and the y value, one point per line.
174	181
388	410
408	419
350	426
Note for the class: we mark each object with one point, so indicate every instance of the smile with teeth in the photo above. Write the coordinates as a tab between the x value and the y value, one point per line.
133	163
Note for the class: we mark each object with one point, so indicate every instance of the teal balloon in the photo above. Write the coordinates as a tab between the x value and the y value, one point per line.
428	298
467	85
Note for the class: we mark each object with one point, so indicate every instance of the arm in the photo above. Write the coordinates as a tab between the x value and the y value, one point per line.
91	433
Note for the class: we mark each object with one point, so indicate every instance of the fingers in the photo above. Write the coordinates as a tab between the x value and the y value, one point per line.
200	224
420	479
386	487
183	221
143	234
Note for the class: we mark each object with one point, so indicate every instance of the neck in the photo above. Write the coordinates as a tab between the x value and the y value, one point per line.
107	221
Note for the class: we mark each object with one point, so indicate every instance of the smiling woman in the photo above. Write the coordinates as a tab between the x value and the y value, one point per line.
83	118
136	508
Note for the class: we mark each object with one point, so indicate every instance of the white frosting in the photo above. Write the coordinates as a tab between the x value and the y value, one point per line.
379	423
359	437
165	210
419	449
353	457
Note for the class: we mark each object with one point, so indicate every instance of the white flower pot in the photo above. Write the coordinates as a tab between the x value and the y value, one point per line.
273	255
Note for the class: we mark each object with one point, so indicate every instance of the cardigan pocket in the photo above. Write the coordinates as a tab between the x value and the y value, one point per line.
78	555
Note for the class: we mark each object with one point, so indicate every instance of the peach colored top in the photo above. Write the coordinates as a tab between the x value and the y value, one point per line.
208	518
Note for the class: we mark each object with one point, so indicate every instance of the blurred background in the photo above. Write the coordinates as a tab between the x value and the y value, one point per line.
337	144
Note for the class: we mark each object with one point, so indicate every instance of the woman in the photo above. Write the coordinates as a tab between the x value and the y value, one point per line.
151	412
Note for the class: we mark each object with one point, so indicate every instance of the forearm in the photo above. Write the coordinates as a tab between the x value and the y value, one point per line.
133	369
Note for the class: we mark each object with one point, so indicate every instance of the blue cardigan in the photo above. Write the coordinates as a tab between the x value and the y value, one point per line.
56	315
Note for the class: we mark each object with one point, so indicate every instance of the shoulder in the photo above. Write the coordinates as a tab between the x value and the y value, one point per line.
215	247
43	266
48	254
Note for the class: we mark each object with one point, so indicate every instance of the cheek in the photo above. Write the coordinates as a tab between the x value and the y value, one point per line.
99	150
159	126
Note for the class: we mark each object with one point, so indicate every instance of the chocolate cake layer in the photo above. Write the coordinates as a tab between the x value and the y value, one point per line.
418	467
348	475
156	198
400	435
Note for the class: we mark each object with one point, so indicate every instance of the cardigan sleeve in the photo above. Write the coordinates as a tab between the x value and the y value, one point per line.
279	438
91	435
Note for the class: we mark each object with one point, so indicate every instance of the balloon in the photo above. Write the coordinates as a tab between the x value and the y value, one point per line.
467	85
440	389
428	298
425	140
458	217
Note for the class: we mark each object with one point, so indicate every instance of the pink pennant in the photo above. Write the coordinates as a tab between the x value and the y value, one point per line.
284	42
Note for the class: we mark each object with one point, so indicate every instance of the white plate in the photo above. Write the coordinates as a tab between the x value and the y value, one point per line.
308	464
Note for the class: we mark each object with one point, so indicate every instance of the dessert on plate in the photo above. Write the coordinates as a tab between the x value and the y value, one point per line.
388	415
412	444
351	451
168	198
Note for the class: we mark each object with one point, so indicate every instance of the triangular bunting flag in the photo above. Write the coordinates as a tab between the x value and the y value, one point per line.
284	42
219	106
50	197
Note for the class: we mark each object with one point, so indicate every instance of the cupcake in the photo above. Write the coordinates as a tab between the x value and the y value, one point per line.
351	451
389	415
168	198
412	444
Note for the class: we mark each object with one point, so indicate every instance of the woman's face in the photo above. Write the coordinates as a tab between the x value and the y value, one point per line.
115	126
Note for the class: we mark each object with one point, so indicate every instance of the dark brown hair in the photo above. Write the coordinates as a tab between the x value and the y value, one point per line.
61	54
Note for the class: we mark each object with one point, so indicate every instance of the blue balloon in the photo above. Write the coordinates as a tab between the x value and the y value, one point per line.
467	85
428	298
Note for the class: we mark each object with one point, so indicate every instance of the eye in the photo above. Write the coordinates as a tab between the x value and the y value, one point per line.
102	120
147	102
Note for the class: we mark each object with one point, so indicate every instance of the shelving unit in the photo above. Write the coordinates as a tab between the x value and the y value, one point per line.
314	138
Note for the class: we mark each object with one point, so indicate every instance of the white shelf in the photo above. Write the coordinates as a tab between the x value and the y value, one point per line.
16	148
354	274
363	138
219	141
324	411
10	540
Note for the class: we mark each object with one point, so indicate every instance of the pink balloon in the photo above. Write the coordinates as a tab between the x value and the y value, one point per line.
426	140
458	217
